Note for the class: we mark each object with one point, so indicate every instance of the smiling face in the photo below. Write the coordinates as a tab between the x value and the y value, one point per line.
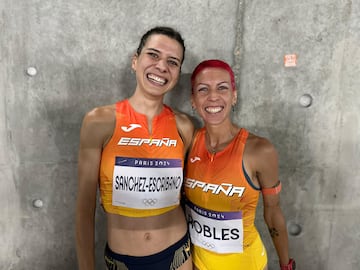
158	65
213	95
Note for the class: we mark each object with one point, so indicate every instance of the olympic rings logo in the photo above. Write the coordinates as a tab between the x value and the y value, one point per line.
150	202
208	245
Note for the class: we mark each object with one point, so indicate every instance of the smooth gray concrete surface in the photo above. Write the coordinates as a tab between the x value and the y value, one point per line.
81	51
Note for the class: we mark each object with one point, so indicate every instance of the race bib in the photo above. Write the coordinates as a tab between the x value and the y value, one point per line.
145	183
220	232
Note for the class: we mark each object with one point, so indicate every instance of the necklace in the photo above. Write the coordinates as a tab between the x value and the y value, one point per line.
221	145
215	149
211	149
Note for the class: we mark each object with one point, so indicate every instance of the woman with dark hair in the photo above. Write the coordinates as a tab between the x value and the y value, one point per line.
134	151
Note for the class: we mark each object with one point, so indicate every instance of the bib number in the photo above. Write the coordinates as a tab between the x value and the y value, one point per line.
142	183
220	232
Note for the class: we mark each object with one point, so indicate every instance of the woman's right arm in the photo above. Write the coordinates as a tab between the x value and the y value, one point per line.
93	133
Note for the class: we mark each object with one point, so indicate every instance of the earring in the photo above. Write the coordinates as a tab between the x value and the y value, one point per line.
233	107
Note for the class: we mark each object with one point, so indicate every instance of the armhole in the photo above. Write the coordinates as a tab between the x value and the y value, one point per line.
166	107
244	135
248	179
195	137
180	135
112	137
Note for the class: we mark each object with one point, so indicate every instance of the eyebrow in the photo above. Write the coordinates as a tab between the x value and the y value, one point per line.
224	82
203	83
156	50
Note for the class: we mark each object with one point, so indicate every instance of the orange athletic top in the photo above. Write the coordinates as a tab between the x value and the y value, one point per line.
141	173
221	199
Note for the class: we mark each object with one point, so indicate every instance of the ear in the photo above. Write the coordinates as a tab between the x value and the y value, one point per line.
234	99
192	101
134	61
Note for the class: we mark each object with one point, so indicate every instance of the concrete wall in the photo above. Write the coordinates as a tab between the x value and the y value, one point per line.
81	53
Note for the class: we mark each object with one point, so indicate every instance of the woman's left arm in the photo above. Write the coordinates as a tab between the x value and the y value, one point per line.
268	176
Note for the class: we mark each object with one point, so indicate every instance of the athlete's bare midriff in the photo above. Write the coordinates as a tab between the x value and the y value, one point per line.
145	236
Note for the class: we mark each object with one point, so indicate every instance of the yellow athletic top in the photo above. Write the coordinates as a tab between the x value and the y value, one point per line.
141	173
221	203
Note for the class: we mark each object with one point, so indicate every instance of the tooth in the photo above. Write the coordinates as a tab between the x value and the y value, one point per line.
157	79
213	109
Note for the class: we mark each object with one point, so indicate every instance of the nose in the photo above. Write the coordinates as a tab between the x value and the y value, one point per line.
161	65
213	95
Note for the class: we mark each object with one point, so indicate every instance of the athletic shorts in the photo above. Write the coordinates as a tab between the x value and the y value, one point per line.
169	259
254	257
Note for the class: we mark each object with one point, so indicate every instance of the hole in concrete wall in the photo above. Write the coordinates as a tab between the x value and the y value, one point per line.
31	71
38	203
305	100
294	229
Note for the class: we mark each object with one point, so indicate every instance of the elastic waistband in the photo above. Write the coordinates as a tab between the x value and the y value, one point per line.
150	258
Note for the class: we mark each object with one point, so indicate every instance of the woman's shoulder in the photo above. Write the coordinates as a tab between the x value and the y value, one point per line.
101	114
185	126
99	122
259	145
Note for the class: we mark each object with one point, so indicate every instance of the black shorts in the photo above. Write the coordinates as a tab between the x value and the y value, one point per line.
169	259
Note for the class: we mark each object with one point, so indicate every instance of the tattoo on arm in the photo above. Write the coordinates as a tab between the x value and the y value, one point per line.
273	232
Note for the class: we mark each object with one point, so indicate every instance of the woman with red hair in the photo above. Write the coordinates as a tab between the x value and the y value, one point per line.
226	171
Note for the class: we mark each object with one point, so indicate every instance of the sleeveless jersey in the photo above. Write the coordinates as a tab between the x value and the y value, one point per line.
221	202
141	174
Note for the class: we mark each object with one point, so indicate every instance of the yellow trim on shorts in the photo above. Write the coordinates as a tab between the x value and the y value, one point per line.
254	257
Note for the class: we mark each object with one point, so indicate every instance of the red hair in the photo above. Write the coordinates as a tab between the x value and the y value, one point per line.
213	63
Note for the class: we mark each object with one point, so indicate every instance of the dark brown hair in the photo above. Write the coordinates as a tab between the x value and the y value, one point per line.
162	30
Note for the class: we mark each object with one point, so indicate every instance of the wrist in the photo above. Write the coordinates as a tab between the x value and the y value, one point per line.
290	266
